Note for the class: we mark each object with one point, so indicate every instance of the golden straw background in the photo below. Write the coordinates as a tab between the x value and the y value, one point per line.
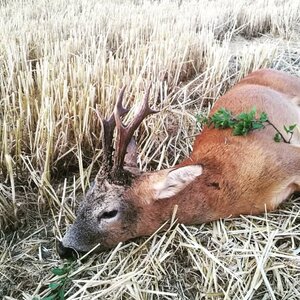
62	64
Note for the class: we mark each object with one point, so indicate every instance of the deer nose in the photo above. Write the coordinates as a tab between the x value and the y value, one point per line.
65	252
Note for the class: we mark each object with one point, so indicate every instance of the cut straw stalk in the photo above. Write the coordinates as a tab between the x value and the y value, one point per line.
63	60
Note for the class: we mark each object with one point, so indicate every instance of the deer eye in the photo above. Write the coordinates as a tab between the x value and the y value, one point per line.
108	214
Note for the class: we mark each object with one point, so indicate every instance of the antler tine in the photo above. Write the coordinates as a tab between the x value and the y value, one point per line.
119	105
125	133
108	130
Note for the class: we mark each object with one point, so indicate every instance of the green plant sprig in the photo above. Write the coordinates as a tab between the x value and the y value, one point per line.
58	287
244	123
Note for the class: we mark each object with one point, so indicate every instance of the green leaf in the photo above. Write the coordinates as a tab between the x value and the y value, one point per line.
222	119
286	129
277	137
59	271
240	129
289	129
242	116
61	295
245	122
237	131
257	125
292	127
51	297
252	114
247	116
54	285
263	117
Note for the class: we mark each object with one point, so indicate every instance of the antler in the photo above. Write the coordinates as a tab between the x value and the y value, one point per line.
125	132
108	131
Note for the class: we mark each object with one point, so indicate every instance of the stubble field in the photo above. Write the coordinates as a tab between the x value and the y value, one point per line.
62	64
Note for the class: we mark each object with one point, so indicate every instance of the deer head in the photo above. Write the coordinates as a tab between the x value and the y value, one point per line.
119	204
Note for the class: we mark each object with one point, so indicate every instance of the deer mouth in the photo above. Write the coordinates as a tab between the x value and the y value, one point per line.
66	252
73	254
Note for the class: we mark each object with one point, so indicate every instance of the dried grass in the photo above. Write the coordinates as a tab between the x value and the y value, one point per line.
61	65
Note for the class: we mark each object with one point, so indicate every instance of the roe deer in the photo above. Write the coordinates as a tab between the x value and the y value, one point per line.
224	176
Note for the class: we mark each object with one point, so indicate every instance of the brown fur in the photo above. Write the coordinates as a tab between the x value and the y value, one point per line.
241	175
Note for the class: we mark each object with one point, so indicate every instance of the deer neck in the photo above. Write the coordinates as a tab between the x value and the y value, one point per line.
189	206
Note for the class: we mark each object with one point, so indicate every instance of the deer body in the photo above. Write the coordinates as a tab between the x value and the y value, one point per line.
224	176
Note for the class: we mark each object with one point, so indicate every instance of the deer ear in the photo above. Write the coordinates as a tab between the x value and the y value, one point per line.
176	180
130	161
